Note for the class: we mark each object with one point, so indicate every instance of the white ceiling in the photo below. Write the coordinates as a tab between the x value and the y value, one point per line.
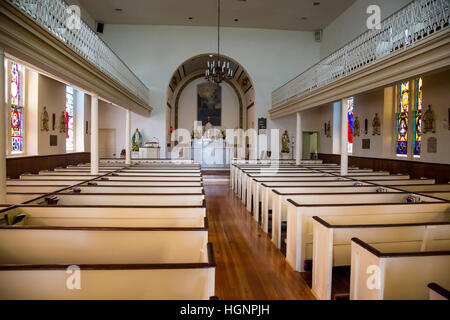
267	14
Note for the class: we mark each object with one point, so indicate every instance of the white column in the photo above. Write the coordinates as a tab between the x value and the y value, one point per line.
299	140
128	139
94	134
2	129
344	138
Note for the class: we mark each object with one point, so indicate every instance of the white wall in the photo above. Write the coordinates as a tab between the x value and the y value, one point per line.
187	106
271	57
352	22
364	107
51	94
435	92
314	120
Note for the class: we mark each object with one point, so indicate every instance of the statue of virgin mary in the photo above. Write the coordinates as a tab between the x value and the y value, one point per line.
136	140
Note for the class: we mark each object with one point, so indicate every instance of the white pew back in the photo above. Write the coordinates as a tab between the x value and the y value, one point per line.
300	228
332	241
399	274
111	216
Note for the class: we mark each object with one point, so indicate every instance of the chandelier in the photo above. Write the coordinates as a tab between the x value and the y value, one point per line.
218	67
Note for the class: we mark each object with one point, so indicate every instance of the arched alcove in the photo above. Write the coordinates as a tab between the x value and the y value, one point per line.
188	75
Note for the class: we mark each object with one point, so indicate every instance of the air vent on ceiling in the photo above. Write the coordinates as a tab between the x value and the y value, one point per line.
318	35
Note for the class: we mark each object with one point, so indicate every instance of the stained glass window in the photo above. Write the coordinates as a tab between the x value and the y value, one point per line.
402	119
350	124
16	111
418	119
16	84
69	119
16	129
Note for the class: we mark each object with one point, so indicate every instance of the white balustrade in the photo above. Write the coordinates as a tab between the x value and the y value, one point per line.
400	31
54	15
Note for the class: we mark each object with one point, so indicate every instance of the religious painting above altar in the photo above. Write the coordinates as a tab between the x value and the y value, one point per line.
209	103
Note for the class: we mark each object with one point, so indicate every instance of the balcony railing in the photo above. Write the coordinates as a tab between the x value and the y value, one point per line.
53	16
400	31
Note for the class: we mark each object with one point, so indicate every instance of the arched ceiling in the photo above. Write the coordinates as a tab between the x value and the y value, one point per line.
198	64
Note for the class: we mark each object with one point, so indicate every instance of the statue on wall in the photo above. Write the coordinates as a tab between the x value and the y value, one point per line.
356	127
328	129
62	122
376	125
44	120
428	121
136	140
285	142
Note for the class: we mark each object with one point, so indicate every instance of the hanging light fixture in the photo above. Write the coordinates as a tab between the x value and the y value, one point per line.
218	68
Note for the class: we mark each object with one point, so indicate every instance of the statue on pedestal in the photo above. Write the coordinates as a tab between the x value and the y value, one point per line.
356	127
136	140
428	122
285	142
376	124
62	122
44	120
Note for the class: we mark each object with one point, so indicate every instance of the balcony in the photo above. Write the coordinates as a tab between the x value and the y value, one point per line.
406	29
52	15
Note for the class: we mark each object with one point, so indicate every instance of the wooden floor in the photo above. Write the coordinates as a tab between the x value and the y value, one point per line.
248	264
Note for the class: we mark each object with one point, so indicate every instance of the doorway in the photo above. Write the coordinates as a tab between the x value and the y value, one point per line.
107	143
309	146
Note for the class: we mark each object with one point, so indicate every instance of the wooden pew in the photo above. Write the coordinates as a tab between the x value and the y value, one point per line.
106	188
302	208
438	292
257	189
114	263
81	178
398	273
248	179
332	240
119	173
109	216
152	182
123	199
325	195
251	187
263	190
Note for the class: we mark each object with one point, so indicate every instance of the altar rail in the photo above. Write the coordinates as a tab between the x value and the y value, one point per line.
53	15
400	31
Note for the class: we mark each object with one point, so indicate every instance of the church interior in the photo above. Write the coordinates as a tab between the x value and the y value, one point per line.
225	150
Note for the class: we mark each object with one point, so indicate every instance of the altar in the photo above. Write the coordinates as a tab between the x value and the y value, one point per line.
210	152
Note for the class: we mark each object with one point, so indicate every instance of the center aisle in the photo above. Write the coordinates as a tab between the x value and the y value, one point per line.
248	264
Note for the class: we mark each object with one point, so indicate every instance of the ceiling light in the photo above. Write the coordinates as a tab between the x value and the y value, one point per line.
218	67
